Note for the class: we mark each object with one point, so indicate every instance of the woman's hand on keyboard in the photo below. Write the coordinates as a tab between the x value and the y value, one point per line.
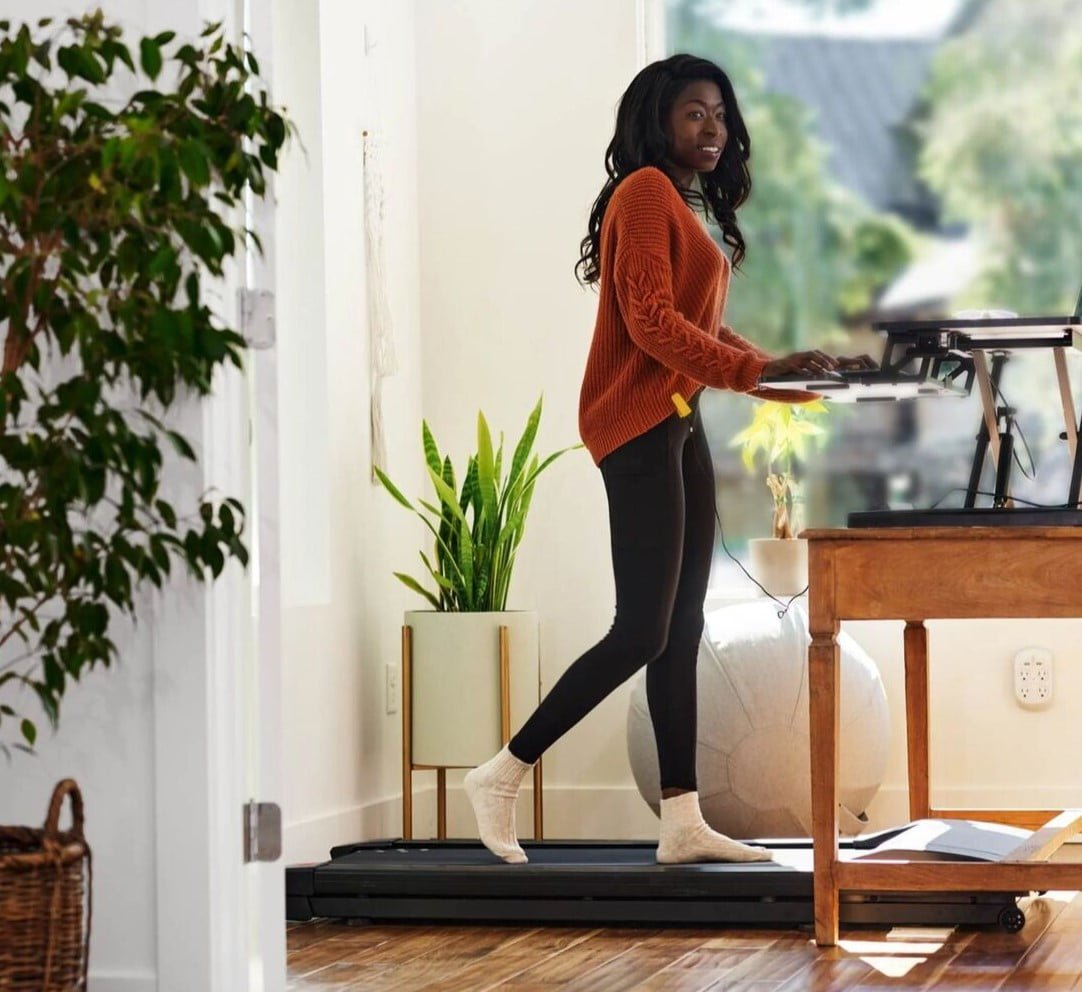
859	363
812	364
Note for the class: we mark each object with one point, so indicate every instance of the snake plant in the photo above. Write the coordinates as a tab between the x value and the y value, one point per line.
477	529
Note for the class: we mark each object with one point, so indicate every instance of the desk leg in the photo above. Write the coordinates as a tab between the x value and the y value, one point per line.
823	685
916	717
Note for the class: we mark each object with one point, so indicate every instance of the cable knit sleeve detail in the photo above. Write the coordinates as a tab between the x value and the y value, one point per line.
646	215
644	290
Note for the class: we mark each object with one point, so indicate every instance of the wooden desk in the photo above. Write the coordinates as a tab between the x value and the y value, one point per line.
914	575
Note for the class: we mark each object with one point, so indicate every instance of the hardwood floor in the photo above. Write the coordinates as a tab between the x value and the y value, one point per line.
1046	955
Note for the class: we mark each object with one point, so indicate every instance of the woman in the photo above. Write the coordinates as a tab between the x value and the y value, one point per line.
658	340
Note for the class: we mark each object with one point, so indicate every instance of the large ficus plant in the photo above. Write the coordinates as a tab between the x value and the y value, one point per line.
477	530
115	214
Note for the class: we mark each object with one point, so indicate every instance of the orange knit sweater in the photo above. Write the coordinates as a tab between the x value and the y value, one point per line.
659	331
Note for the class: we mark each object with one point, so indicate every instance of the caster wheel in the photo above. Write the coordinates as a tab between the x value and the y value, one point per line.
1012	919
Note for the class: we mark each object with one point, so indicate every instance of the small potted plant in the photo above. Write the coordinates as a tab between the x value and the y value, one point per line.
455	647
777	438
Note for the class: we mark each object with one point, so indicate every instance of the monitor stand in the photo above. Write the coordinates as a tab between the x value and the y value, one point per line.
980	516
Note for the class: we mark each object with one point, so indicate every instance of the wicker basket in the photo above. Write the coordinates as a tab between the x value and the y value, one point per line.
45	879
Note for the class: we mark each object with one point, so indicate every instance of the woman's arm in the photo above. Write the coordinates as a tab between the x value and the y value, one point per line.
643	279
729	336
644	292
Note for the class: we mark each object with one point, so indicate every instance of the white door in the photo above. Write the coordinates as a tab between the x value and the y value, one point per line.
222	927
266	880
253	951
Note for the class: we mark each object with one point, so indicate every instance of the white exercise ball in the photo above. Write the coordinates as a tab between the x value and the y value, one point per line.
753	753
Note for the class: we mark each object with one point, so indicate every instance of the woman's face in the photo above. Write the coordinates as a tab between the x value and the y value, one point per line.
697	132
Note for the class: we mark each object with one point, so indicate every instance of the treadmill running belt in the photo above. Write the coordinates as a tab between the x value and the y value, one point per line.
616	882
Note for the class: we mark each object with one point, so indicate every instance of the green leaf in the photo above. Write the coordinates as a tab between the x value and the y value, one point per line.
486	469
413	584
79	63
434	510
195	163
150	57
393	489
441	580
430	448
469	484
466	559
447	497
180	443
448	475
30	732
124	55
535	472
525	444
498	467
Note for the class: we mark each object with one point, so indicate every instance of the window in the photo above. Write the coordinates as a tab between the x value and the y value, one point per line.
898	176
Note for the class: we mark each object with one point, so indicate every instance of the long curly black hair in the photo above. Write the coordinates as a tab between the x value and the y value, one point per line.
642	139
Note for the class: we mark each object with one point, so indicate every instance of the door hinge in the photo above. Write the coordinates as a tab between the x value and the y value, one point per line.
262	832
257	317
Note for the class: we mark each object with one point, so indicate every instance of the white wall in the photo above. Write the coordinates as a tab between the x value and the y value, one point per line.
515	104
488	174
342	536
465	100
986	750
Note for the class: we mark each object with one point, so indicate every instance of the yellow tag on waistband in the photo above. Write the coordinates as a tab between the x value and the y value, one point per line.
681	405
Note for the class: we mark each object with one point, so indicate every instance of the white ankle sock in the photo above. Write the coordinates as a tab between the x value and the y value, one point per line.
686	837
492	789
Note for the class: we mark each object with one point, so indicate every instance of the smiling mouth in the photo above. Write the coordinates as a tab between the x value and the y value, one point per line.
710	149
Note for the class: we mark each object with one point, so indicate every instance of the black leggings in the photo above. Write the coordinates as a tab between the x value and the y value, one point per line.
660	488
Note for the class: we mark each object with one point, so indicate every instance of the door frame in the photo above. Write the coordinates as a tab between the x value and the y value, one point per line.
221	922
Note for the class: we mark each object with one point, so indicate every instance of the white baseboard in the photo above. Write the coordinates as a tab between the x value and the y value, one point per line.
119	981
312	839
891	804
620	813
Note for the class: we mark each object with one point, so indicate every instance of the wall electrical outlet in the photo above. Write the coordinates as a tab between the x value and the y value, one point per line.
392	687
1033	677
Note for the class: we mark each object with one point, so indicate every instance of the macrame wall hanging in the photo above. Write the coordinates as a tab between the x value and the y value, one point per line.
384	362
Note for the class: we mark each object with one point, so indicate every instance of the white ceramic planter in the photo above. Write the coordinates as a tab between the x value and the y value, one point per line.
780	565
456	682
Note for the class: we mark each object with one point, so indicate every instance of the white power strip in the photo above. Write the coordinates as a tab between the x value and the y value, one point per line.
1033	677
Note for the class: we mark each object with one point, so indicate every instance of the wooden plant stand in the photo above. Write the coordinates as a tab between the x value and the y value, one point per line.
409	767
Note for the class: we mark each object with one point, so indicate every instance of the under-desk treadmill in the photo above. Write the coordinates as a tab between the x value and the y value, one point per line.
615	882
